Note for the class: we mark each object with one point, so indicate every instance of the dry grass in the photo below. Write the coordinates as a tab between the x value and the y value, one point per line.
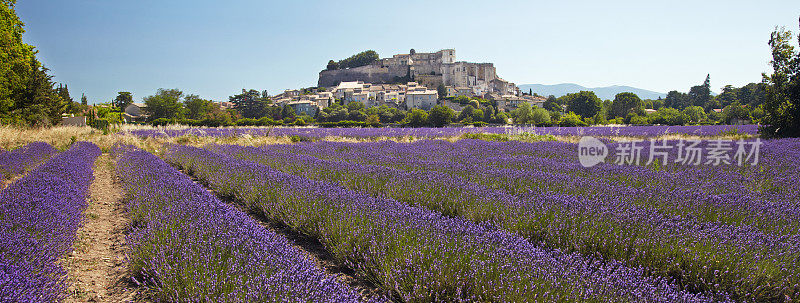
63	137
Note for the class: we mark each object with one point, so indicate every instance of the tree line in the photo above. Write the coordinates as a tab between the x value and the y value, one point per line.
28	94
699	106
361	59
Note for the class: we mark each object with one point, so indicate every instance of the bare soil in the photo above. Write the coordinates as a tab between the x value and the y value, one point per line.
96	266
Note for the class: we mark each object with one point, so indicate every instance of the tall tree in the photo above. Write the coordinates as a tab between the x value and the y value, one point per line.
625	103
66	99
700	95
122	100
584	103
287	112
27	95
198	108
166	103
676	99
442	90
16	67
84	100
729	95
40	103
522	114
551	104
782	104
250	103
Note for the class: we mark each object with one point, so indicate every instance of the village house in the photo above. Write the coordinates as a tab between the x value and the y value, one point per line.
304	107
422	99
135	112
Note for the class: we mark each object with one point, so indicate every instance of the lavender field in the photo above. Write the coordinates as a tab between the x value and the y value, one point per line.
317	133
696	217
725	231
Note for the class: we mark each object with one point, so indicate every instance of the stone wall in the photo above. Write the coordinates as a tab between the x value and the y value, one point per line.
428	69
429	81
373	73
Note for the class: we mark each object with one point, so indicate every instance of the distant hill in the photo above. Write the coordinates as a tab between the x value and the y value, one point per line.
605	93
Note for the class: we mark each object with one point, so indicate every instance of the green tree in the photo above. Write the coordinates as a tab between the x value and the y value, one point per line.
198	108
417	118
782	103
122	100
27	93
735	111
477	115
166	103
625	103
442	90
250	103
17	58
668	116
358	115
753	94
700	95
332	65
63	92
84	100
728	96
551	104
40	103
355	106
501	118
466	113
441	115
360	59
373	120
540	116
584	103
488	113
287	112
522	114
570	120
676	99
694	114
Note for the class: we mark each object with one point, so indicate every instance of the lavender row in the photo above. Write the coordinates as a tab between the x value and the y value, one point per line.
759	195
17	161
39	218
626	131
187	245
704	255
419	255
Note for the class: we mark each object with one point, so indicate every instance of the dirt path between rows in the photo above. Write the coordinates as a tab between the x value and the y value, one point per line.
310	246
96	267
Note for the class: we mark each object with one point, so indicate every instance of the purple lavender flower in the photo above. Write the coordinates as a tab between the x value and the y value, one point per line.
17	161
39	217
421	255
704	225
189	246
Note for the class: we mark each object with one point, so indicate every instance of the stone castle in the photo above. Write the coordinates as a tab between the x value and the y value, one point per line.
427	69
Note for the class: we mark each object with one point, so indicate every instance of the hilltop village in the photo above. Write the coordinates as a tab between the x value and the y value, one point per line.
407	81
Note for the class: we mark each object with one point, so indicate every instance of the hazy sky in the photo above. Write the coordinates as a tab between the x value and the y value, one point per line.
216	48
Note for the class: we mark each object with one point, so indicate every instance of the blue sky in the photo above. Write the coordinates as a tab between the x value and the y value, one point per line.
216	48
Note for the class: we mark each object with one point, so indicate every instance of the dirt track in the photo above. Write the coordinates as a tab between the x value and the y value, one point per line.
97	271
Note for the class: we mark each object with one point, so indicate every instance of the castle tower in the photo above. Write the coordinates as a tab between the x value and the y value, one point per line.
448	55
